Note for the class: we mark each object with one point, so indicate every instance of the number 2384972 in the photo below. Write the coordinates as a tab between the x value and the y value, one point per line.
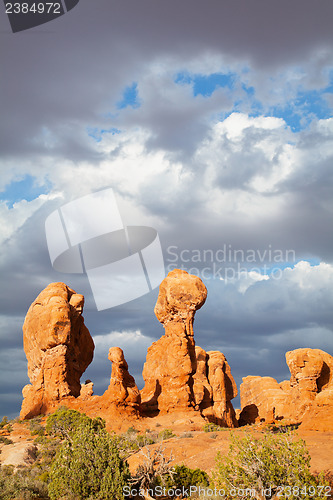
35	8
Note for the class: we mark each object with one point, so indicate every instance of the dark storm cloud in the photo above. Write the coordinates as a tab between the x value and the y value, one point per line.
73	70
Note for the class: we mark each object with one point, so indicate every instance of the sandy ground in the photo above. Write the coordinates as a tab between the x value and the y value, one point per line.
192	446
201	449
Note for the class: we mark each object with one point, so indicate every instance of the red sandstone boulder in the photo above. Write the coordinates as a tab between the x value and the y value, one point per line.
262	399
307	397
58	347
319	416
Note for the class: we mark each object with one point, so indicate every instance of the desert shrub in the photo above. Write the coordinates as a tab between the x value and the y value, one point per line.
22	484
35	427
282	428
131	441
3	422
64	420
275	464
166	434
88	463
186	435
132	430
47	450
210	427
5	440
31	481
325	477
183	478
154	470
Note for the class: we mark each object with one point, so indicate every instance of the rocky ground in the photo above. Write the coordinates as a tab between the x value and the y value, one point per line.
191	445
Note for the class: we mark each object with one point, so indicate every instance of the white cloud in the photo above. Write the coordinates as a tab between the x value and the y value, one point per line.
128	340
308	277
11	219
245	280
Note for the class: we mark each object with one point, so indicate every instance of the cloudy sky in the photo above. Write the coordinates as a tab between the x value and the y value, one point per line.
212	123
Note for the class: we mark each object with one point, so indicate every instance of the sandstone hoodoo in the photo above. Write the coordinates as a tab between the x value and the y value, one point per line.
178	375
122	390
58	347
308	393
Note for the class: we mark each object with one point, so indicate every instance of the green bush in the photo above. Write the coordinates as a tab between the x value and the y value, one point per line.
64	421
88	464
35	427
212	427
131	441
277	464
184	477
165	434
23	484
3	422
5	440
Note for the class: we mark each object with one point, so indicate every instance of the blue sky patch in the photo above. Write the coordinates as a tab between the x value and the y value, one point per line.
307	106
206	85
273	268
130	97
25	189
97	133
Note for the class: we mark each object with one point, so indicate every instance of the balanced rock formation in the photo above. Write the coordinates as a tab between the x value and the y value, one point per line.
58	347
122	390
308	392
178	375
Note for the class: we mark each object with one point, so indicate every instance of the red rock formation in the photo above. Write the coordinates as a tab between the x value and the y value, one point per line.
307	394
179	376
58	347
122	390
319	416
171	360
224	389
262	399
202	390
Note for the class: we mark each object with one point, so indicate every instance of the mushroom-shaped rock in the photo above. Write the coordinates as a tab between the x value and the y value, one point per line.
180	296
58	347
176	371
171	361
